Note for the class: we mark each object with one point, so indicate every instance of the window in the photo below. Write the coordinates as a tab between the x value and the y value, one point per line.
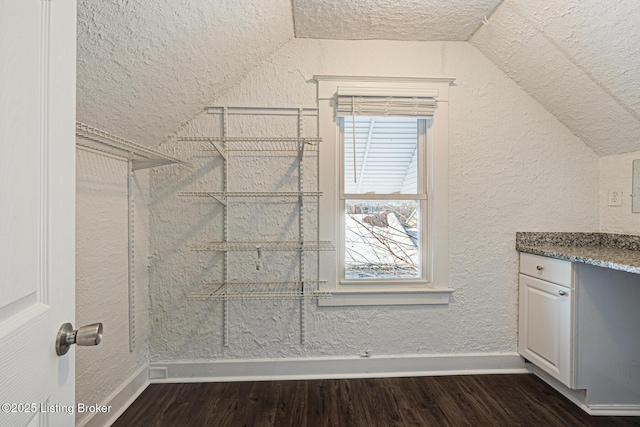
383	198
384	175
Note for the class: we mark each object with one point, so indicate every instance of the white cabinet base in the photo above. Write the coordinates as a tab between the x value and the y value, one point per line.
580	398
545	326
582	339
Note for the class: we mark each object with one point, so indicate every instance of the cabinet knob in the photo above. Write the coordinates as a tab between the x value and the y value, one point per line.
562	293
539	267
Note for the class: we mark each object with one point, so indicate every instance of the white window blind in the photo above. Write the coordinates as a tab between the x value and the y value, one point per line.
385	103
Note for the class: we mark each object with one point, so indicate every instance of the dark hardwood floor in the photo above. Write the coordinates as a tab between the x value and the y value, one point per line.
477	400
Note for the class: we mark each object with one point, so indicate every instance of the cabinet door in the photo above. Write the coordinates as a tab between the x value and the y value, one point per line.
545	326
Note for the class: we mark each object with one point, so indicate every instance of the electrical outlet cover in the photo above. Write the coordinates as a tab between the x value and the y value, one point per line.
614	198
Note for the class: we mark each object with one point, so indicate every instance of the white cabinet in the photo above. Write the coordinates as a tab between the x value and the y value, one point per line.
545	321
579	324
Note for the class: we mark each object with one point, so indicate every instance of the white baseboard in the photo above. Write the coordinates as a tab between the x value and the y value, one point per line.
119	400
579	398
333	368
615	410
300	369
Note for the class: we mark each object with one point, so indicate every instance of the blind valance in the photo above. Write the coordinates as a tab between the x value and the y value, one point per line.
405	103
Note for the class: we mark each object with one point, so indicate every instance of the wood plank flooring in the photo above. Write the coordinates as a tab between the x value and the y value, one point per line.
476	400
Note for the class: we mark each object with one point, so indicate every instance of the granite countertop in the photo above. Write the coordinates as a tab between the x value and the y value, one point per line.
608	250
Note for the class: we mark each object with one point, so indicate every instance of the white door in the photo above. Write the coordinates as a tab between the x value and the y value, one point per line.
37	205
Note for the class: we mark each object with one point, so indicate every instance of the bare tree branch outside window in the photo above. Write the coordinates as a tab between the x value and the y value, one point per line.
382	239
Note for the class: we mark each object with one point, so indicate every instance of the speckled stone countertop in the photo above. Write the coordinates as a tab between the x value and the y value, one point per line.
614	251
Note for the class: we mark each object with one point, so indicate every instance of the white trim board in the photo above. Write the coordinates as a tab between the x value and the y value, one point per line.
300	369
331	368
335	368
579	397
119	400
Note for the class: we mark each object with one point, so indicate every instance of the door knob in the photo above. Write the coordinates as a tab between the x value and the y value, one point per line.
87	335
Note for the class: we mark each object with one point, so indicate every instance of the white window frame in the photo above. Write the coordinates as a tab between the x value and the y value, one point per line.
435	289
423	185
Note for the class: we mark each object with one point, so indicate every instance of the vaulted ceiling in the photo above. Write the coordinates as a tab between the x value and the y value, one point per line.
579	58
144	67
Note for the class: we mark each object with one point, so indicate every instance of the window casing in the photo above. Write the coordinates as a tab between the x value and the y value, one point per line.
431	285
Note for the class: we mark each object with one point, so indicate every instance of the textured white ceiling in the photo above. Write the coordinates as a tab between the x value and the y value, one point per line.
146	66
578	58
390	19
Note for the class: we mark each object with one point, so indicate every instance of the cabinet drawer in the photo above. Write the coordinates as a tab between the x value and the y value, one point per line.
545	268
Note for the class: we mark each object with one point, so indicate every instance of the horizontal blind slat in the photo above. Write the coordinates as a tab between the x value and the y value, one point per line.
385	106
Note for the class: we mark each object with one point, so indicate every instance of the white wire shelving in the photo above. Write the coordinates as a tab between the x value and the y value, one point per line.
303	286
259	144
249	194
283	245
105	142
221	196
242	291
138	157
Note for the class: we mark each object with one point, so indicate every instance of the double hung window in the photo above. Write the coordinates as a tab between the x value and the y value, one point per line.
384	175
383	198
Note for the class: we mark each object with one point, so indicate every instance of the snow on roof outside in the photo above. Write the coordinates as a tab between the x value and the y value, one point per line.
377	244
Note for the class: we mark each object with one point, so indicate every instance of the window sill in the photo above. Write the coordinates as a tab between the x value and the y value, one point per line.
362	297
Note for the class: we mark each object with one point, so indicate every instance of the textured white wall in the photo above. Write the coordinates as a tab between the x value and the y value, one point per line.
616	174
578	58
513	167
101	274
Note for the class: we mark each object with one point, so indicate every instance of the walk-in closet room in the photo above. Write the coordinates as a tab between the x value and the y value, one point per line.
319	213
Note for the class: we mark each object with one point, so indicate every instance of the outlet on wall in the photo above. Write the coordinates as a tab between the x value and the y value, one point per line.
615	198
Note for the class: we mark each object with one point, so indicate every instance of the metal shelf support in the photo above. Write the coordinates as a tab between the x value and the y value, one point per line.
132	264
138	157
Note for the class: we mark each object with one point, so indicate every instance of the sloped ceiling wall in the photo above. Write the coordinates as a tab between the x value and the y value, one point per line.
579	58
146	66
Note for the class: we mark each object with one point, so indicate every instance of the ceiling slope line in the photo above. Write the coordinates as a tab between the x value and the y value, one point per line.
293	20
170	137
575	63
485	21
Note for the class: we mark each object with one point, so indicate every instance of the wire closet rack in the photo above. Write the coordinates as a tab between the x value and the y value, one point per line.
239	291
302	288
138	157
285	246
141	156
